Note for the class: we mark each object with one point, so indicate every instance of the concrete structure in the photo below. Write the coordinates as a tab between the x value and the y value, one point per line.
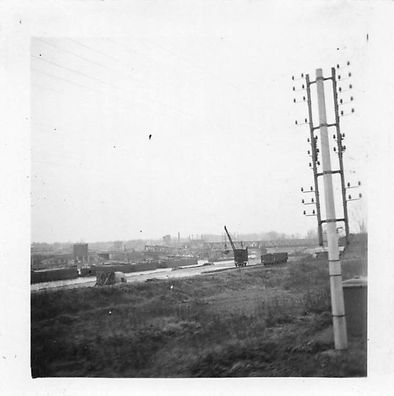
334	264
356	300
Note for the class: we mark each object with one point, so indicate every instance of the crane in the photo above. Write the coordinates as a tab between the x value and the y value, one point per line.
240	255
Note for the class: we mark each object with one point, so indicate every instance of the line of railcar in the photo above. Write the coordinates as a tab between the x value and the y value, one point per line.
274	258
73	272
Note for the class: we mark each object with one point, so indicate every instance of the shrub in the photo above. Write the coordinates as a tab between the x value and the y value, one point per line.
303	274
317	301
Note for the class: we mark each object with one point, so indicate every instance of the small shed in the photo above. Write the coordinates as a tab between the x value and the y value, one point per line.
110	278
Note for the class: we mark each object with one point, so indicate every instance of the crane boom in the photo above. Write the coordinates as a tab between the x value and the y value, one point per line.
229	238
240	255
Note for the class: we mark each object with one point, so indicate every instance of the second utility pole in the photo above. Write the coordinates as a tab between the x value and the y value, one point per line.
337	303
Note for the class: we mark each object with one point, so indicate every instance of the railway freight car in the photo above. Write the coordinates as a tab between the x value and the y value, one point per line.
55	274
274	258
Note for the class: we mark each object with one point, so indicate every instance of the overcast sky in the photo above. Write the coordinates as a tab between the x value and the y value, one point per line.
213	89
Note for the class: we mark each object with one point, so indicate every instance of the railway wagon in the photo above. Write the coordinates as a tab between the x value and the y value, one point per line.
240	257
93	270
55	274
274	258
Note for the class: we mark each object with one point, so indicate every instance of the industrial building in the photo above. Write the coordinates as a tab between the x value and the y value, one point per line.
80	252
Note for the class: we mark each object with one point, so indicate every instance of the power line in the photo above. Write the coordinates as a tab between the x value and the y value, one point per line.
107	83
72	70
198	70
64	79
191	65
150	59
125	73
97	91
131	50
74	54
47	88
94	78
75	84
116	87
95	50
201	70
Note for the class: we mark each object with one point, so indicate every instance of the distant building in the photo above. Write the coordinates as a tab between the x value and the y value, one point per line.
80	252
104	256
118	246
167	239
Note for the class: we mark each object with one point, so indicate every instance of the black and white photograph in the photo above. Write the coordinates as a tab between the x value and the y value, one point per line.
199	189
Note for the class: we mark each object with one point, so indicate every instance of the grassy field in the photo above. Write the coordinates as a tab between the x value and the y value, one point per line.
252	321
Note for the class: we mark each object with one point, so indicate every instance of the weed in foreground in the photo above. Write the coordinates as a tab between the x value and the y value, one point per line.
157	331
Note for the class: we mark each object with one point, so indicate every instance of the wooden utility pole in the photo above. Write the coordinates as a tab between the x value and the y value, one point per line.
337	302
